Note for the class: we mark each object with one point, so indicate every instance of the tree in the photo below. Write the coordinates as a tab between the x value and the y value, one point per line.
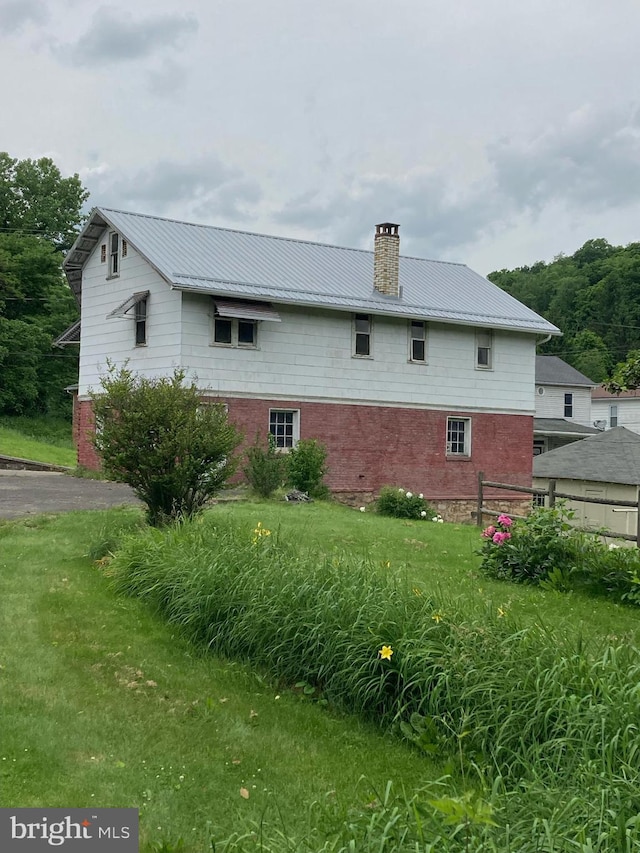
36	199
159	437
626	376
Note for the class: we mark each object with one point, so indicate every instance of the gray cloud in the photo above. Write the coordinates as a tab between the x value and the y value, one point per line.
202	189
16	14
116	37
591	160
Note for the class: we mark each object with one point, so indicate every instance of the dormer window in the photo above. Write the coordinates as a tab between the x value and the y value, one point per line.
114	253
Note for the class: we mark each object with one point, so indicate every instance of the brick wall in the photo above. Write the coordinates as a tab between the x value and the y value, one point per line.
83	426
373	446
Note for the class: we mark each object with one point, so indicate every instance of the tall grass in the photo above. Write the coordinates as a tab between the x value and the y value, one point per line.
544	730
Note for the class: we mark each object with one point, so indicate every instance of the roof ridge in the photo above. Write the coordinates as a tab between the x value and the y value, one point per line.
268	236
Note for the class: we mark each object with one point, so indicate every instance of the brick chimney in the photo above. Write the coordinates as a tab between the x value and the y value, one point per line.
386	256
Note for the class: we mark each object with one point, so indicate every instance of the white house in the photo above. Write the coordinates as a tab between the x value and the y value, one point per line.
563	405
412	372
614	410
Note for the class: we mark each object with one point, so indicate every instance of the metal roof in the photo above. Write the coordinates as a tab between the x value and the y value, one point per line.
609	457
206	259
552	370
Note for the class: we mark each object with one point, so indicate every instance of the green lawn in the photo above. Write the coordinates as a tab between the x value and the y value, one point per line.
38	439
104	705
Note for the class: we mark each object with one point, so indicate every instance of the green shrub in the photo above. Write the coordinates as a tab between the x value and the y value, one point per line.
265	468
306	467
158	437
399	503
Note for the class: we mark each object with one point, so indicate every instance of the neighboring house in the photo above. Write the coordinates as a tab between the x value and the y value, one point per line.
412	372
605	466
563	404
613	410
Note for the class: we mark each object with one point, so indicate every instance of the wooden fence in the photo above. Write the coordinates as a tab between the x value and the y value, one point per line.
552	496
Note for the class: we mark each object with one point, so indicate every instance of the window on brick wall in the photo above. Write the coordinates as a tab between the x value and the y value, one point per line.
417	341
568	405
458	436
284	426
362	335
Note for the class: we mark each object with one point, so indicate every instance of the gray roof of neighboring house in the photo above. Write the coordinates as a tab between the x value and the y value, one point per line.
204	259
561	427
552	370
609	457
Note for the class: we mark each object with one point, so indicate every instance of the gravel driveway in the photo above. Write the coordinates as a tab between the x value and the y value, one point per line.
30	492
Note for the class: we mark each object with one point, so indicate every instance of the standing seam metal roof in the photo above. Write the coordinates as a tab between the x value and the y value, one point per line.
214	260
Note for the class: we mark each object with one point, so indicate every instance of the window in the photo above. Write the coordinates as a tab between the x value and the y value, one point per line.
417	341
458	437
613	416
141	322
484	346
568	405
103	253
284	426
235	333
125	248
362	334
538	500
114	253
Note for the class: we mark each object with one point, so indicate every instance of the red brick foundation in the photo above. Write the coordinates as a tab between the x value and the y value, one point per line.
373	446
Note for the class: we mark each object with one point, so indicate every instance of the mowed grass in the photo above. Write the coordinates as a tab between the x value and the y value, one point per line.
38	439
103	705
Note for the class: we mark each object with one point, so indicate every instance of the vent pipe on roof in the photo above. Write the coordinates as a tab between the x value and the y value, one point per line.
386	258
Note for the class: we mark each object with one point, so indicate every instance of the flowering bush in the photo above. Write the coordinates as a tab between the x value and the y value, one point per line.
399	503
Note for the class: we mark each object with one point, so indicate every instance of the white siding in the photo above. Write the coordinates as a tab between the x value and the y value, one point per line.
114	339
309	356
551	403
628	412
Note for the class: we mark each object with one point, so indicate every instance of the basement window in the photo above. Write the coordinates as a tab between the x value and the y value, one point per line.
284	426
459	437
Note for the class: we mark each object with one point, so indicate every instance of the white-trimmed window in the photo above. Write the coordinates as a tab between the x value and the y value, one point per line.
484	349
114	253
613	416
233	332
458	436
568	405
362	335
284	426
141	321
418	341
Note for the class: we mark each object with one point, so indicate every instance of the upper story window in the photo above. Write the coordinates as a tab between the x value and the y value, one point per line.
484	349
141	321
284	426
613	416
417	341
114	253
362	335
568	405
458	436
233	332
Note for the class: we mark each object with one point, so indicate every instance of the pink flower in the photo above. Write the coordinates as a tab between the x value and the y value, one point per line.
505	521
488	532
500	537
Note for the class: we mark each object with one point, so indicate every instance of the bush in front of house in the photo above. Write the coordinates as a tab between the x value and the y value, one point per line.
399	503
265	468
307	467
547	549
157	436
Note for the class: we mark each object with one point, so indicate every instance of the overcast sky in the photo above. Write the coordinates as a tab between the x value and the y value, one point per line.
496	132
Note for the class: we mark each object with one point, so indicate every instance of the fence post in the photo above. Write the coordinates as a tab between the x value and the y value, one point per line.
479	504
552	494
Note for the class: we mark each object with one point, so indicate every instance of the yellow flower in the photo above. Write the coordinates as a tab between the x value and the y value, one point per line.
437	617
501	612
417	592
385	653
260	531
386	564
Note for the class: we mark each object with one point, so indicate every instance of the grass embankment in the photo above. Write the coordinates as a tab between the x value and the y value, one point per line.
102	698
103	704
38	439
